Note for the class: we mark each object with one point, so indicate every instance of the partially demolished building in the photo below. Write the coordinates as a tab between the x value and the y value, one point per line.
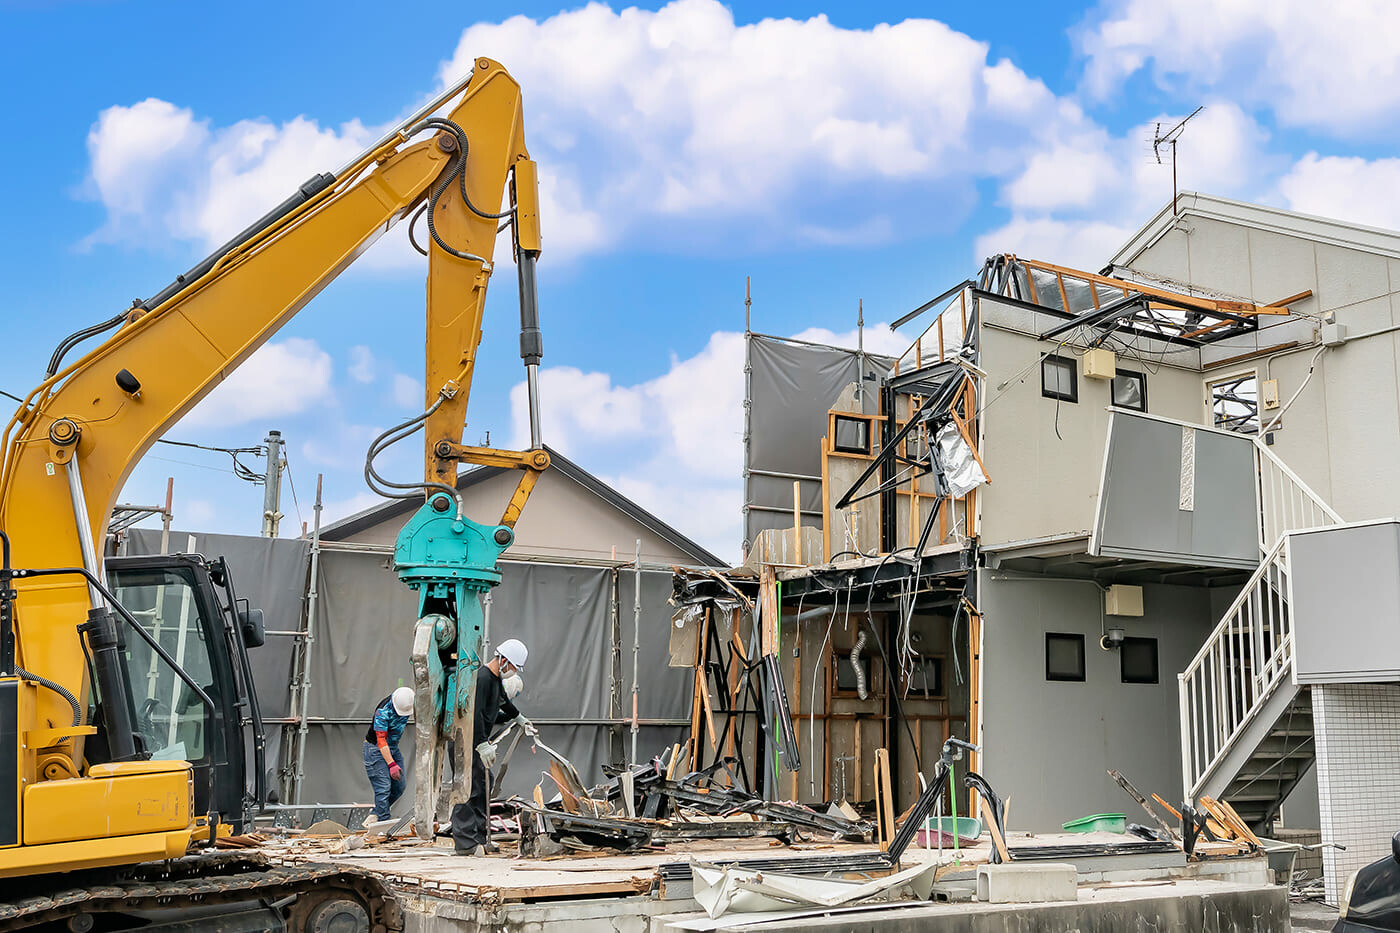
1088	521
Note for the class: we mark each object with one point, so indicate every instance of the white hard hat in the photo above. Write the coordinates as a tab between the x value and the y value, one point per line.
403	701
512	686
514	651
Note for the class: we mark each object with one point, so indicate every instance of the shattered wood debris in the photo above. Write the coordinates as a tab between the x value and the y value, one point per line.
669	811
1209	828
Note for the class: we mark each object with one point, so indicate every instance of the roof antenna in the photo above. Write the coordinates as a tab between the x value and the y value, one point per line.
1160	139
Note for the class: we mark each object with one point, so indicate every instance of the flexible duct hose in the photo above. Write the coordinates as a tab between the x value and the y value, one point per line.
855	666
56	688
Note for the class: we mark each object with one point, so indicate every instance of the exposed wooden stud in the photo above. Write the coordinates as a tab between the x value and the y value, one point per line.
1064	296
797	520
940	337
885	801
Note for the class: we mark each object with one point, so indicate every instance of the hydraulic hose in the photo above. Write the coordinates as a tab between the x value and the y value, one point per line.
395	434
56	688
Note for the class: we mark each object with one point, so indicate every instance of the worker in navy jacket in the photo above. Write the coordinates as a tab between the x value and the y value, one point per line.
493	707
383	760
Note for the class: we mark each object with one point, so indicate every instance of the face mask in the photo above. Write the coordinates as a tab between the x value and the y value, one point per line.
512	685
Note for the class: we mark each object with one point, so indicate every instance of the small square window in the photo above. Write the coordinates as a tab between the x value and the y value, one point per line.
846	682
1138	657
1064	656
852	435
1130	390
1057	378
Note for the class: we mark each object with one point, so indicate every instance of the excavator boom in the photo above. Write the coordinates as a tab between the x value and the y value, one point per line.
75	439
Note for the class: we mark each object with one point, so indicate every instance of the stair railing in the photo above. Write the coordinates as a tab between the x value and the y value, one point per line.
1286	503
1244	658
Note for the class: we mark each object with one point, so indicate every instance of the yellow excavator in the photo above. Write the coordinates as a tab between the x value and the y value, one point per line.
126	698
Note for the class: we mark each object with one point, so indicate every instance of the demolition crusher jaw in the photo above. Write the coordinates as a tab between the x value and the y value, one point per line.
450	561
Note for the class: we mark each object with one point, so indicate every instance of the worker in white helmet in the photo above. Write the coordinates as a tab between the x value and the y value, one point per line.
383	760
493	707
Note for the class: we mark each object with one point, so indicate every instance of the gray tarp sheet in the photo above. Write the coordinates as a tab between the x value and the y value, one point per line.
363	627
791	388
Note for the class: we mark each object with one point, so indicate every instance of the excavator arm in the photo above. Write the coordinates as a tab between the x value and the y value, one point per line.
76	437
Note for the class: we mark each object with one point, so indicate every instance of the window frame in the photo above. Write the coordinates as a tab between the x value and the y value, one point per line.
1047	392
866	427
1142	390
1156	661
1078	638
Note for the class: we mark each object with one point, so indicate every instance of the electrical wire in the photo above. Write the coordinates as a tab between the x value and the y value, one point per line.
292	484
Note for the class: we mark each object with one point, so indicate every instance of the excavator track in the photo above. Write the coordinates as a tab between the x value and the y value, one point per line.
220	886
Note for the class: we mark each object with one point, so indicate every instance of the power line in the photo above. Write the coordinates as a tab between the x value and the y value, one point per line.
240	470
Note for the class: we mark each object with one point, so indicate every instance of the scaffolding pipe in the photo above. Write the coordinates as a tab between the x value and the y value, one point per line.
312	592
636	648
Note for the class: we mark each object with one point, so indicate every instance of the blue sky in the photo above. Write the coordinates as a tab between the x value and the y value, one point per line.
834	153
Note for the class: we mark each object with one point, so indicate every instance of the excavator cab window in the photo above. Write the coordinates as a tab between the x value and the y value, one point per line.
174	600
170	718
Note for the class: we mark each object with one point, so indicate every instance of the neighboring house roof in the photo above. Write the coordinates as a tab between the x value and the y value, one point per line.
560	465
1273	219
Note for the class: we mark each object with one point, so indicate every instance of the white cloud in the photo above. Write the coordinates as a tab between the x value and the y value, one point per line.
408	392
1078	200
361	366
282	378
1328	66
644	122
1353	189
651	117
157	168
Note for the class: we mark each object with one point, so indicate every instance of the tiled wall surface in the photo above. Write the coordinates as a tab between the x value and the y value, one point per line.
1358	775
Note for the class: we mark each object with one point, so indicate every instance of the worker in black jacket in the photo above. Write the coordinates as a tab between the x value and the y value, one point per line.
493	708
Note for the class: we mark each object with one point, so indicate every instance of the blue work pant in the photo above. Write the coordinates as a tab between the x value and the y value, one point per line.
386	789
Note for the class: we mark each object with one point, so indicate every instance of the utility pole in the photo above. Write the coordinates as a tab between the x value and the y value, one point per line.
272	484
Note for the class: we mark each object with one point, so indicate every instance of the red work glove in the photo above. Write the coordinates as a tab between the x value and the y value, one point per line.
396	772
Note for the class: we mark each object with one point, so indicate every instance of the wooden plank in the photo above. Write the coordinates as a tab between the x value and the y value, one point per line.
1207	304
826	503
797	520
991	824
885	803
797	699
1232	819
569	800
1213	826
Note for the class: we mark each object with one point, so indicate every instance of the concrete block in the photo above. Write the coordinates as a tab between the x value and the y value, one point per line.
1026	884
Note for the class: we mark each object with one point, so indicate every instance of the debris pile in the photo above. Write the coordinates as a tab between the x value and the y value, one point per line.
647	806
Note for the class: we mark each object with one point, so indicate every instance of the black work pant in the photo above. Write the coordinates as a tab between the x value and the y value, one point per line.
469	819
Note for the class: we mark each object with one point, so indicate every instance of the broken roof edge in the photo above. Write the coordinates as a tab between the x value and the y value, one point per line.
1327	230
390	508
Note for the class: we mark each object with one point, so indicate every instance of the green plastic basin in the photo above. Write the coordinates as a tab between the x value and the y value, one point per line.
1098	823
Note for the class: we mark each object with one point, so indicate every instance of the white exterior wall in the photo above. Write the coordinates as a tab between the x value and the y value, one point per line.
1045	468
1342	435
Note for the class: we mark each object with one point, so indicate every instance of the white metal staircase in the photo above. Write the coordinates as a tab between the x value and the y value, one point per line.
1246	727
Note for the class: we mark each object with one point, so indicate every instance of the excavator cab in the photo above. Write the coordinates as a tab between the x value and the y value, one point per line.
188	605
